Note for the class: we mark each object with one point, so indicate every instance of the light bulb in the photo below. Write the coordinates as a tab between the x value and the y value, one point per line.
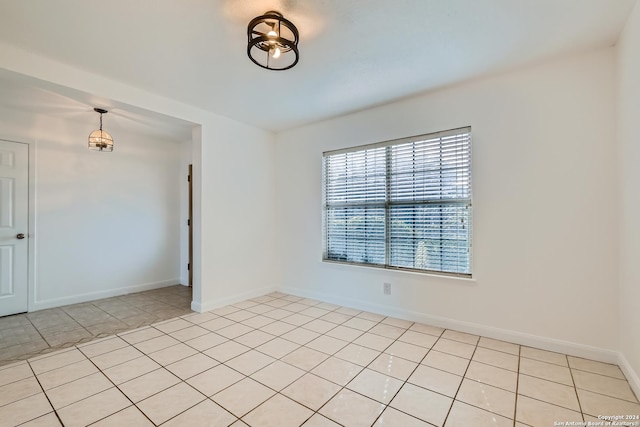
272	35
275	52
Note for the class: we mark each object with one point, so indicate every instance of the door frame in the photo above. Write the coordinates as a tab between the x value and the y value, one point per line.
190	225
31	219
32	245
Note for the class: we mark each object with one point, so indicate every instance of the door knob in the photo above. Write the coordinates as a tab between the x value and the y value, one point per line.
20	236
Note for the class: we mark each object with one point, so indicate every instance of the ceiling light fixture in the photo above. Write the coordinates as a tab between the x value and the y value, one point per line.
273	42
100	140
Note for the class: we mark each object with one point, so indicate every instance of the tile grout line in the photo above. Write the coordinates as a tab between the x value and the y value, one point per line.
117	388
314	412
91	395
604	395
309	372
464	375
276	392
38	331
382	352
409	376
600	374
221	363
515	408
45	395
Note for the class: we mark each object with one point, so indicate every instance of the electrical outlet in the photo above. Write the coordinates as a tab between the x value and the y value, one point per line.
387	289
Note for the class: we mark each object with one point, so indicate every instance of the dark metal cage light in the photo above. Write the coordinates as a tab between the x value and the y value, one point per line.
100	140
273	42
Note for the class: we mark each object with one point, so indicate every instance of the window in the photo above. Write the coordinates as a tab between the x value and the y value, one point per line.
403	204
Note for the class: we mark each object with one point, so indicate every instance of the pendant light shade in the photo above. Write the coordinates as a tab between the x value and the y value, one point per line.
100	140
273	42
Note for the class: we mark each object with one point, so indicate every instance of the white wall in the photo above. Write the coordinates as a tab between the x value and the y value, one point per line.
105	223
236	167
629	137
545	208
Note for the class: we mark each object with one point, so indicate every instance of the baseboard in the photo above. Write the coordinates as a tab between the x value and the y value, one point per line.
221	302
550	344
91	296
630	373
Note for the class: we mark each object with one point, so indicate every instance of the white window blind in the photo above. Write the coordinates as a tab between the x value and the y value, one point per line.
403	204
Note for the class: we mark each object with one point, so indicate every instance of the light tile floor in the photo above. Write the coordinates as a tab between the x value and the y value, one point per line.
26	335
280	361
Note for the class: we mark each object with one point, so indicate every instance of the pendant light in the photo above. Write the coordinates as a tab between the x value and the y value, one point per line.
273	41
100	140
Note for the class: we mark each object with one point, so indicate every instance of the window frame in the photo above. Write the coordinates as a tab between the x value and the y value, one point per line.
387	203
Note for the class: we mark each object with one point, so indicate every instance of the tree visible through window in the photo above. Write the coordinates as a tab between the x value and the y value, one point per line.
403	204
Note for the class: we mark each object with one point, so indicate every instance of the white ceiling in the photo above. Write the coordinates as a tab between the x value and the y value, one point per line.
21	93
354	54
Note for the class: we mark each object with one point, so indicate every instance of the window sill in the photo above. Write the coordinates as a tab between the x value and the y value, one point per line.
470	280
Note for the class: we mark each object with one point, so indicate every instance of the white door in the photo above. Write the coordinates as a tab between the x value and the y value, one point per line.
14	237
